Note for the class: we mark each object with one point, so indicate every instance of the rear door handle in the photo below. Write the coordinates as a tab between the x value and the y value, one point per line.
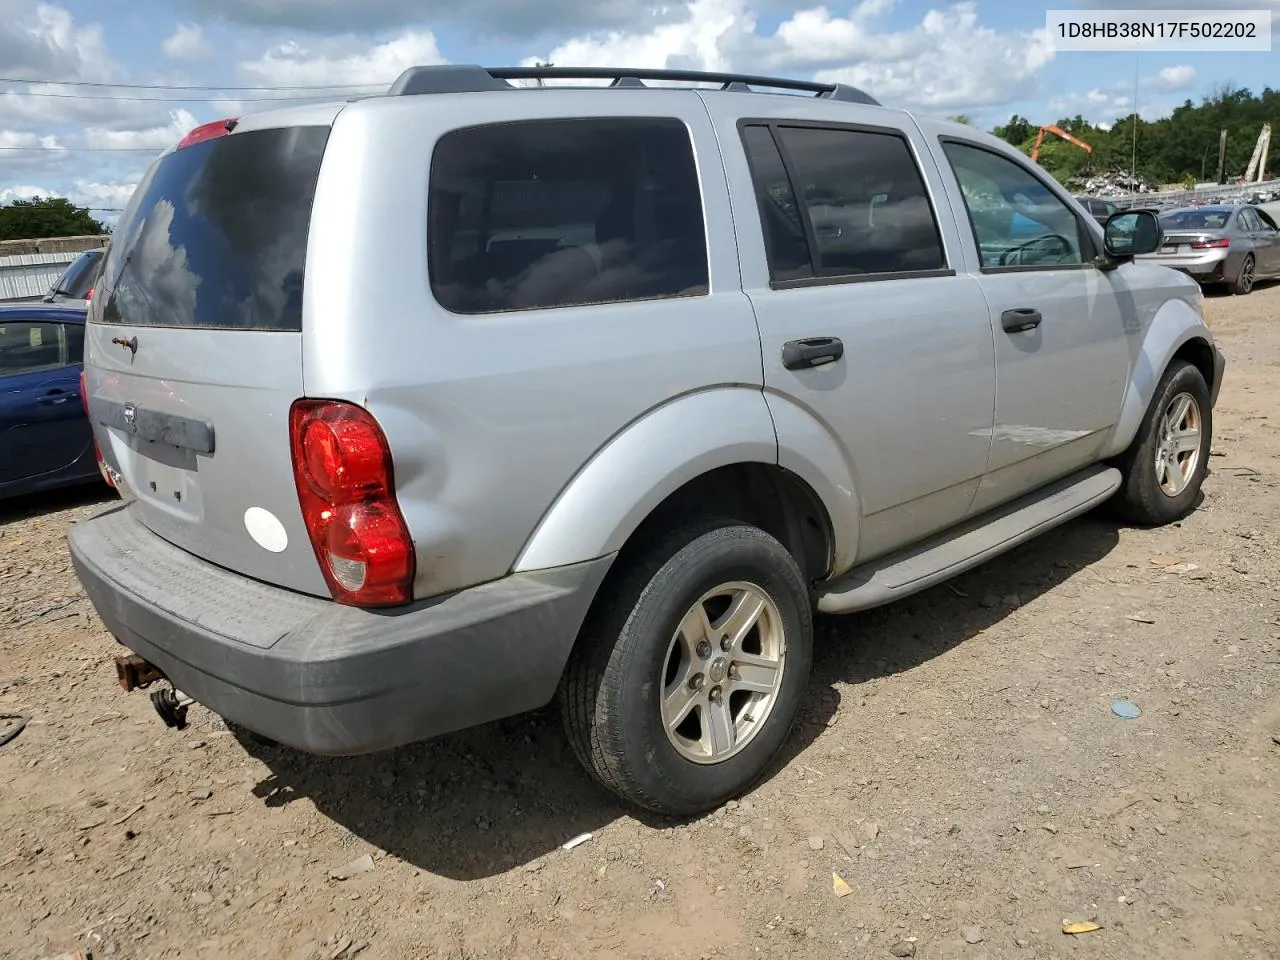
1020	320
814	352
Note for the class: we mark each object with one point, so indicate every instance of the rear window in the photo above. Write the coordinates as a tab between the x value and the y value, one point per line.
216	234
555	213
1196	219
78	279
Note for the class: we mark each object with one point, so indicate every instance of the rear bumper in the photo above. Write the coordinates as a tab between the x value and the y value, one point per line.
319	676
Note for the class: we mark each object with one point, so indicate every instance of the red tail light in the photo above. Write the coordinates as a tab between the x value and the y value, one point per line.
1211	244
208	131
342	468
97	451
89	294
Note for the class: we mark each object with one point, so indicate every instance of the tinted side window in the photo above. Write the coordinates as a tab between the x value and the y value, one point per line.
1248	221
1017	220
786	246
556	213
27	346
865	201
75	342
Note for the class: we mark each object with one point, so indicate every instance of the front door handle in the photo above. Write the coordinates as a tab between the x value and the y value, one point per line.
1020	320
55	396
814	352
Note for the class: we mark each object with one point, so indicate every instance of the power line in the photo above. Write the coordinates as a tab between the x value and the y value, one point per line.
87	149
181	86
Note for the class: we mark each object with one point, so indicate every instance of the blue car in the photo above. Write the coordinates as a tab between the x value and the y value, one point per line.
45	440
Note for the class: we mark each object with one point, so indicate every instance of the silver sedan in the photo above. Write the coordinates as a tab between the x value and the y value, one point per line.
1235	245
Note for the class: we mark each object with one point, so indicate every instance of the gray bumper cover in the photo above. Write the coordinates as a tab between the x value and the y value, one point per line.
320	676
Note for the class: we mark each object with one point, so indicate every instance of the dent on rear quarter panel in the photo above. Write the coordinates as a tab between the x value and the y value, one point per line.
1175	323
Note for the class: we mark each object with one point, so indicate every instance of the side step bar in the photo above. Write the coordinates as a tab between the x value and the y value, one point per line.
925	565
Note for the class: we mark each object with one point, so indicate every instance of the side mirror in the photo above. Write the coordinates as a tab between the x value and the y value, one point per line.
1132	233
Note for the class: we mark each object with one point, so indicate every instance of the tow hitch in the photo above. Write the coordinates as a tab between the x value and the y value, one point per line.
134	673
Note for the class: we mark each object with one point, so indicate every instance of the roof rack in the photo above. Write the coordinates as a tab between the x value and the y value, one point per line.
465	78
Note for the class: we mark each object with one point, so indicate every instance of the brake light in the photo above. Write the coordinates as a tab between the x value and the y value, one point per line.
88	295
1211	244
208	131
342	469
93	436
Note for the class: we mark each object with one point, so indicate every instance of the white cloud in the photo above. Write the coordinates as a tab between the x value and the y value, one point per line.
503	18
1173	78
948	61
187	42
156	138
23	192
346	60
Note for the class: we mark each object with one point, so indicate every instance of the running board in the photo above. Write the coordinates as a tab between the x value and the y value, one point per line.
941	558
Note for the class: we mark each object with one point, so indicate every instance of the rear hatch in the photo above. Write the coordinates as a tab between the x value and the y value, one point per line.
194	350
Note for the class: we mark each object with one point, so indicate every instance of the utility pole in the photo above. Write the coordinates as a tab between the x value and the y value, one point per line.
540	64
1133	168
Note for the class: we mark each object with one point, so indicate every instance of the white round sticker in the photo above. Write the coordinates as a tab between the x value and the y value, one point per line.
267	531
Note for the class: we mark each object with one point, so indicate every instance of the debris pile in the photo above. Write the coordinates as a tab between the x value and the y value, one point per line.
1116	183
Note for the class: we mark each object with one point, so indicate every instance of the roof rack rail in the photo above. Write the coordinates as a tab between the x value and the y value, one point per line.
460	78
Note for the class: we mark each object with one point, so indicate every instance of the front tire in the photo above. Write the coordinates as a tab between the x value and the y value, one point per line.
1165	467
691	668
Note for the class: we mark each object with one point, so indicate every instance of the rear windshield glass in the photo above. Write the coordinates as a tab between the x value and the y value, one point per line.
78	279
216	235
1196	219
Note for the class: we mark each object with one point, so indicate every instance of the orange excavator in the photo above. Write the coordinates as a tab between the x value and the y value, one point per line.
1050	128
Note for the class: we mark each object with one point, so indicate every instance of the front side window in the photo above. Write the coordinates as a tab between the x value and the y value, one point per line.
29	346
557	213
1017	220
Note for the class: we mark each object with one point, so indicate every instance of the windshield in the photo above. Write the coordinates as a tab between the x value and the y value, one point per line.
79	278
216	234
1196	219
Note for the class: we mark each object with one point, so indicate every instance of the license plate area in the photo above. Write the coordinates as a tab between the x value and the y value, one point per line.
1169	248
166	477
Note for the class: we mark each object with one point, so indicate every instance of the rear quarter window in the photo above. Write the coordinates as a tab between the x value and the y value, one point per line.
557	213
216	234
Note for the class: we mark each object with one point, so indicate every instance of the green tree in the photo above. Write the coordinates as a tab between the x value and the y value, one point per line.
46	217
1016	132
962	118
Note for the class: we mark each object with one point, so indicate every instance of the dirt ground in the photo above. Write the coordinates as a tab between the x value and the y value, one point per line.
958	765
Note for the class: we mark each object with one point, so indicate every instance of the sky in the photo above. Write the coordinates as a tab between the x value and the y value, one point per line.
93	89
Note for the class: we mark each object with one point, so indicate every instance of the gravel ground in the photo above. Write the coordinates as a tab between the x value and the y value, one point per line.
958	766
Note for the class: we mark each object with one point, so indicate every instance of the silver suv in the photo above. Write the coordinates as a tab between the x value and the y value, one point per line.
429	407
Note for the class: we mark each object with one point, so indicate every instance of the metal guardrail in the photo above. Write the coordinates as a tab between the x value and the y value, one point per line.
1219	193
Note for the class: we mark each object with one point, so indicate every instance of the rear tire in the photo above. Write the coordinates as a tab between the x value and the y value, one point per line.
1243	283
1166	464
676	698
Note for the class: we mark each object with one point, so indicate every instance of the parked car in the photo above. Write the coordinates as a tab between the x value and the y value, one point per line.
45	440
75	286
1235	245
432	406
1101	210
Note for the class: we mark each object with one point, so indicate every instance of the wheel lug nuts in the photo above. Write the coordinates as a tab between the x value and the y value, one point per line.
704	649
697	681
714	695
725	644
734	673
